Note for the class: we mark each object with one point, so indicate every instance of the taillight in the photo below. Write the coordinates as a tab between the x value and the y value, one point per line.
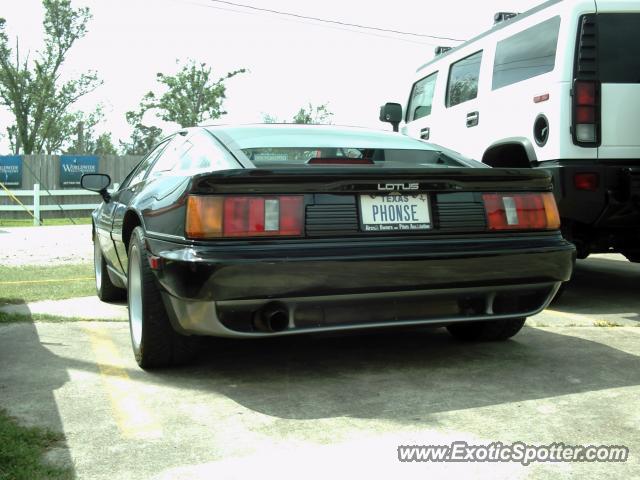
521	211
586	116
244	216
586	87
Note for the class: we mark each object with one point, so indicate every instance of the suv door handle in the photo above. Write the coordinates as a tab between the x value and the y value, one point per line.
473	118
425	133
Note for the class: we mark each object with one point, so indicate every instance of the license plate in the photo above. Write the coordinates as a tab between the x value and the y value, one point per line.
394	212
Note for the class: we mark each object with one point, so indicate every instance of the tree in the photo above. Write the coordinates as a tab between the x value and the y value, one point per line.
143	138
306	115
191	96
313	115
74	132
32	90
104	145
266	118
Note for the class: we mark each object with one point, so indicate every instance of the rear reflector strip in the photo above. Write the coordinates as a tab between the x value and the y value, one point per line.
586	181
541	98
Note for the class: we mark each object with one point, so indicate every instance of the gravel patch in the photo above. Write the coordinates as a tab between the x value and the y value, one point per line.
45	245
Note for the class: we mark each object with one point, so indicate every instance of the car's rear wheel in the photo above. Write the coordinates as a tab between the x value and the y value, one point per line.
105	289
155	343
488	330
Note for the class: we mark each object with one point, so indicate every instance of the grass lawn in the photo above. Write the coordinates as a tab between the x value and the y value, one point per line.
8	222
32	283
22	450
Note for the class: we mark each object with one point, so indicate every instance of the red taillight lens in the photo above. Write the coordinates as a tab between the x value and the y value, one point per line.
291	216
585	93
244	216
521	211
586	115
586	181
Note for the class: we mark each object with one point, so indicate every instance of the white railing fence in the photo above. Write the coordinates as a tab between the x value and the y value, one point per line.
36	208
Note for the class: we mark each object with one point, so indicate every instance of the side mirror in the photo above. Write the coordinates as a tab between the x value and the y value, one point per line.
97	182
391	113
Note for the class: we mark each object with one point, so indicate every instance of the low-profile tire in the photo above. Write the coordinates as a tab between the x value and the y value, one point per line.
105	289
486	331
155	343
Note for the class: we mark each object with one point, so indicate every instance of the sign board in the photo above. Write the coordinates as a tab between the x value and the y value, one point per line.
72	167
11	170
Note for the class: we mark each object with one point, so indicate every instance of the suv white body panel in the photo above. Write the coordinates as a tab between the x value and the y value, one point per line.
507	113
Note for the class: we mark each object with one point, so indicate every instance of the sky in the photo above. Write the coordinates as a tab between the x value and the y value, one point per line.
290	61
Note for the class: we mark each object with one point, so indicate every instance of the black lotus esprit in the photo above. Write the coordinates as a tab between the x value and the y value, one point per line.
268	230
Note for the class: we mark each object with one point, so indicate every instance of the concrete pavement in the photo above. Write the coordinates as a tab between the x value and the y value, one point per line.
336	405
324	405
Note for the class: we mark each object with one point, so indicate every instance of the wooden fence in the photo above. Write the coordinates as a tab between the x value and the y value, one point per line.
44	170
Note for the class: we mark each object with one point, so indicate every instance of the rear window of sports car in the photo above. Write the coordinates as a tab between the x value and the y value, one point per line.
296	145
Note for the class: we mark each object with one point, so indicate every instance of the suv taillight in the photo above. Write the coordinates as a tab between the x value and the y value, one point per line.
586	87
586	113
244	216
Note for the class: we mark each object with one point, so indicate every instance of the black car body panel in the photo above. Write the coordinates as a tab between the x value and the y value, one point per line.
235	272
336	276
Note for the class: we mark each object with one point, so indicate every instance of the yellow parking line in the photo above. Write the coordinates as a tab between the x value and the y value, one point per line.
53	280
132	418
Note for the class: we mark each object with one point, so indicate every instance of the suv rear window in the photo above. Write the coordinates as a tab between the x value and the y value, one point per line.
619	47
422	98
527	54
463	80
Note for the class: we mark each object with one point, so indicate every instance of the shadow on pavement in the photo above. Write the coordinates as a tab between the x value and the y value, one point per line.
602	286
29	375
402	375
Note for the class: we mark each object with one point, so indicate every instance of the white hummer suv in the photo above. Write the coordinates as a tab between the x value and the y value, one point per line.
558	88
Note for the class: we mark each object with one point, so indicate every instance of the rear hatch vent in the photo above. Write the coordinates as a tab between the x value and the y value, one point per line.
586	66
